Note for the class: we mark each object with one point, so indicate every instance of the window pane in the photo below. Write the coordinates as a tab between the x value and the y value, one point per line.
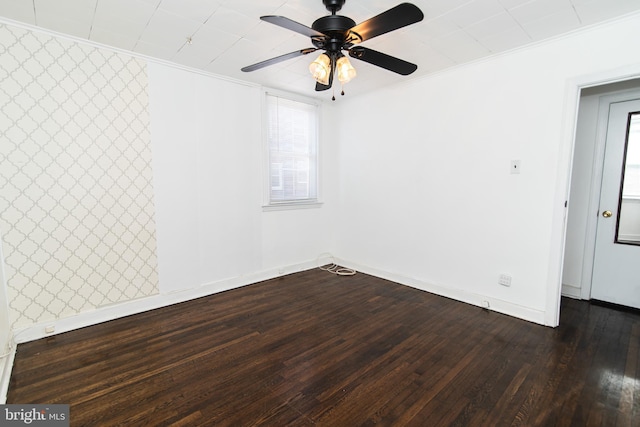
628	227
292	149
632	162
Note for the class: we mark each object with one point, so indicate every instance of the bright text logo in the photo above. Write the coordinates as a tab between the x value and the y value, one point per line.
37	415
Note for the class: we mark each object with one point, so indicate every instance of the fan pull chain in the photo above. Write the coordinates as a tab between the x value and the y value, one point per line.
333	92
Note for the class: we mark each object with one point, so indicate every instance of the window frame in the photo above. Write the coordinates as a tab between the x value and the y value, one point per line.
268	204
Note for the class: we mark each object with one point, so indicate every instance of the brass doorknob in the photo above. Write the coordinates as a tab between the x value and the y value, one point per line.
607	214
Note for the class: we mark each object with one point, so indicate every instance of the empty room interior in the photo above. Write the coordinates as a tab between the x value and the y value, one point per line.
274	212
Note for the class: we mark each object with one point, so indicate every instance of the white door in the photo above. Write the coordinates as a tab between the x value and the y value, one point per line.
616	267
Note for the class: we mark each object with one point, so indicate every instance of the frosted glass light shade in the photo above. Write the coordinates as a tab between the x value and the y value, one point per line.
321	68
345	70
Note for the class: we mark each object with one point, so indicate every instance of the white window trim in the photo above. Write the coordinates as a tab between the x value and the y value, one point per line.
284	206
268	205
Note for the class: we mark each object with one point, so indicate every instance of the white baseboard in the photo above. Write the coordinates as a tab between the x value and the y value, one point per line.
104	314
571	291
6	364
495	304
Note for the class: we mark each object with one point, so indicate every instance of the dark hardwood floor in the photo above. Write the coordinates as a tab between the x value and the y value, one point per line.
314	348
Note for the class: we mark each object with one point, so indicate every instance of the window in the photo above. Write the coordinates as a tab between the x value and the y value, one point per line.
292	151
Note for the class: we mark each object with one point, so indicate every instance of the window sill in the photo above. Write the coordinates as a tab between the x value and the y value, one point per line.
291	205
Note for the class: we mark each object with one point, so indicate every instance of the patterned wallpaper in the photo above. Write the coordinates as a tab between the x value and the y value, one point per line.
76	196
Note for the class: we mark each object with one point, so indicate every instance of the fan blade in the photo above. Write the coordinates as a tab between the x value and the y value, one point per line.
289	24
383	60
277	59
397	17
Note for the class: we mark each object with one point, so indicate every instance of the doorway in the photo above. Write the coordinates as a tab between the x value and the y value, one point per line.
586	179
616	270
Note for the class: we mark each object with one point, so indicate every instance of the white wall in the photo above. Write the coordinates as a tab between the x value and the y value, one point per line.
207	148
427	197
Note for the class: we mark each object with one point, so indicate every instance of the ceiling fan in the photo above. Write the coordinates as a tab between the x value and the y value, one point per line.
335	34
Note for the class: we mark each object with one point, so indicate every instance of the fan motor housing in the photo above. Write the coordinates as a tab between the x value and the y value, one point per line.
333	25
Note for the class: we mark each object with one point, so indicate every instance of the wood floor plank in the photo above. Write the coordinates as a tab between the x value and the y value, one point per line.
318	349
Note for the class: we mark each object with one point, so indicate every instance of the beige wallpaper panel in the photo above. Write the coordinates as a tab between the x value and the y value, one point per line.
76	195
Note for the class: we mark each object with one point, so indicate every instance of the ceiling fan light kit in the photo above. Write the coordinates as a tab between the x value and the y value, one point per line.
335	33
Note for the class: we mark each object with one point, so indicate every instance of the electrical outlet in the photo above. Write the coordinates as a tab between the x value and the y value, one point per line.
504	280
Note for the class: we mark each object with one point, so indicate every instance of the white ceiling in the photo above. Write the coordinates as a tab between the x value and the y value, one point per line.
228	34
